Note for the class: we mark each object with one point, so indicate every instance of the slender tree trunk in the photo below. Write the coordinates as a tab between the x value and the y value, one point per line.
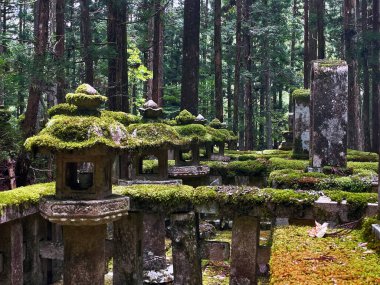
190	64
353	134
158	54
293	42
366	96
320	28
306	63
313	31
218	59
375	76
117	64
235	125
149	60
248	98
229	95
86	37
60	49
262	116
37	80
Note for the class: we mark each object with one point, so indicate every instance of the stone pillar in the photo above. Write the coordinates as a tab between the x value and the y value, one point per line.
128	258
186	249
12	252
84	254
154	241
245	243
329	93
301	126
195	155
162	157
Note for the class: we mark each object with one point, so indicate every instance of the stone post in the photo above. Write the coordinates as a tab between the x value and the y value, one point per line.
245	243
301	129
84	254
128	258
12	251
329	93
186	249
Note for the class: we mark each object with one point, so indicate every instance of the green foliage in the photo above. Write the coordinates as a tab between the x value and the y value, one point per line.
358	199
185	118
294	179
301	94
10	138
349	183
216	124
282	163
257	167
373	166
356	155
137	72
29	195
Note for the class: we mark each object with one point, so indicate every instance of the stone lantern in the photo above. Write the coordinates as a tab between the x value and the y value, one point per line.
220	136
85	142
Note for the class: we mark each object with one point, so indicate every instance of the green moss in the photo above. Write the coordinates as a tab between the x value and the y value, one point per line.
194	132
121	117
331	62
184	118
63	109
277	163
257	167
247	155
153	135
67	133
301	95
340	171
29	195
356	155
86	89
297	258
220	135
373	166
216	124
85	101
349	183
295	179
361	199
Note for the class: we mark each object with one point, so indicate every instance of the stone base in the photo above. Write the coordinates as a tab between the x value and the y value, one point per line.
376	230
139	182
188	171
286	145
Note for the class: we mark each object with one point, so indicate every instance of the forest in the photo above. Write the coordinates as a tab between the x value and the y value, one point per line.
235	60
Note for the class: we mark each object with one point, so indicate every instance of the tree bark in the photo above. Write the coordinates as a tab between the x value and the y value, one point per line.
306	61
218	59
86	37
158	54
235	125
37	81
60	49
190	64
364	61
320	28
375	76
117	64
313	31
353	135
293	41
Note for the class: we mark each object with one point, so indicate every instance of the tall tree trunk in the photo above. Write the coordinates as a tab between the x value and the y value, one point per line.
293	41
149	53
190	64
306	63
37	79
353	132
86	37
229	95
218	59
235	125
320	28
60	49
375	76
248	98
366	96
158	54
117	64
313	31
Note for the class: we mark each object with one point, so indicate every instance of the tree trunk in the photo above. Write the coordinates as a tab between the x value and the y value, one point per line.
149	57
117	64
313	31
375	76
320	28
235	125
60	49
366	96
158	54
293	42
36	85
86	38
306	63
218	59
190	64
248	100
353	134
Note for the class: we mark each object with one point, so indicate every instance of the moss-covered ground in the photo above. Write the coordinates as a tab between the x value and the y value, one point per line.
298	258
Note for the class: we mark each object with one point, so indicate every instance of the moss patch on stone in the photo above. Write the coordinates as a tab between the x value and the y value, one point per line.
357	155
29	195
351	198
373	166
194	133
301	95
297	258
121	117
295	179
185	118
277	163
220	135
67	133
82	100
256	167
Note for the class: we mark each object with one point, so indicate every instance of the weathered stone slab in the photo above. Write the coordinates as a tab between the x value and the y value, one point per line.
154	241
186	255
245	243
301	127
17	212
128	257
215	250
329	95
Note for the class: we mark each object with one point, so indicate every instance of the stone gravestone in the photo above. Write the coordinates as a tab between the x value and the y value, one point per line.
301	126
328	109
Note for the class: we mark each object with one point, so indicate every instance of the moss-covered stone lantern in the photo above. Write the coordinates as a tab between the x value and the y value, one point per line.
85	142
